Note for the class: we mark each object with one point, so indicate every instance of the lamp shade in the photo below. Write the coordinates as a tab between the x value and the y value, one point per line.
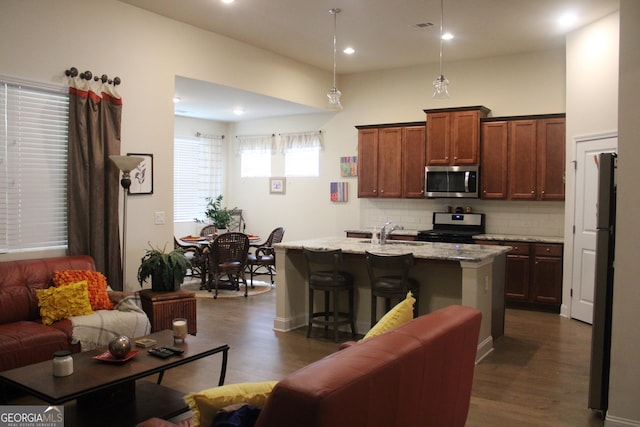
126	163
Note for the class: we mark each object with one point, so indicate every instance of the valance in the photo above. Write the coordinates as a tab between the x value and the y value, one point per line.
258	144
301	141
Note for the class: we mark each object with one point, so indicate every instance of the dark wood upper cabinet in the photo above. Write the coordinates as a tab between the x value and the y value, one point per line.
551	158
413	159
391	160
368	163
493	164
523	158
453	135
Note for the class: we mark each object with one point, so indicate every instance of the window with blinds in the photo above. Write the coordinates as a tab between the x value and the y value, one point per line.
197	174
33	166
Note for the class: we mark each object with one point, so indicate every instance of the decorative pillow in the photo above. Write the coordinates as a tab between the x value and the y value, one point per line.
97	286
64	302
206	403
401	313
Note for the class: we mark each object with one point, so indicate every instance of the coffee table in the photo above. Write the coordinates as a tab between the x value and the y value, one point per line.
107	393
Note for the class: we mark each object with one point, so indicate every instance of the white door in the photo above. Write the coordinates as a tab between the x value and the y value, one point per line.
584	238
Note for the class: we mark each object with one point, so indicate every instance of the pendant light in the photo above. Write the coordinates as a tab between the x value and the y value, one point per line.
441	84
334	94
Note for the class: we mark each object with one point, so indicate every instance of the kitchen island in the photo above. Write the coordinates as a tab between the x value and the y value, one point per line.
448	274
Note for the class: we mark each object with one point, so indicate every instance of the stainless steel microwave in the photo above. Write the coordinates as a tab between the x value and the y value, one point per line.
451	181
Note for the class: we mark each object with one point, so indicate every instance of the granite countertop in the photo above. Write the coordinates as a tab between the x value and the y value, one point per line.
424	250
519	238
394	232
488	236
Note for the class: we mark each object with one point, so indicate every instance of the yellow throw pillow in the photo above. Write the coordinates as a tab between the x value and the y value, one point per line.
96	282
64	302
204	404
401	313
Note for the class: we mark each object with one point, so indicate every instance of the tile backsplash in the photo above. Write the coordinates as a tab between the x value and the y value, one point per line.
502	217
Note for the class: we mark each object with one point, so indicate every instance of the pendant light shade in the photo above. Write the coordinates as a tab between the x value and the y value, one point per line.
334	94
441	84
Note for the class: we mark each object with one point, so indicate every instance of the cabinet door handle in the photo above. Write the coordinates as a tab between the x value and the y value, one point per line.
533	191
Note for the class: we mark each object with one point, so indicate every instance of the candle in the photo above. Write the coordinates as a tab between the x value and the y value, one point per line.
179	329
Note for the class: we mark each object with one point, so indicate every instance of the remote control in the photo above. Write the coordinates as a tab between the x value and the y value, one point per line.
161	352
175	350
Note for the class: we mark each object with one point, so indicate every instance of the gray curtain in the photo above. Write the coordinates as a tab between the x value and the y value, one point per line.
93	180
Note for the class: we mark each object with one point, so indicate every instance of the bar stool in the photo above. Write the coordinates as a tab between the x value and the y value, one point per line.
389	276
323	269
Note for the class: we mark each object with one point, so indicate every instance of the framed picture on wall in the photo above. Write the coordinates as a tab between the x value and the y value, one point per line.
142	175
277	185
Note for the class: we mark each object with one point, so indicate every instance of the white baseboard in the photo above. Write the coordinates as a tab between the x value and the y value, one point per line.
613	421
484	348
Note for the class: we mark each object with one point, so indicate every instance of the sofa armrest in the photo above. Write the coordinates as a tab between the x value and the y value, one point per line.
116	296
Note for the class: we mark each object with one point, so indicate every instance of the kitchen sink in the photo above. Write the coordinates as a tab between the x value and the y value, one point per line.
396	242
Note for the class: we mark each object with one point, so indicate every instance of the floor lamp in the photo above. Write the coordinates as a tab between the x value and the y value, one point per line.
126	164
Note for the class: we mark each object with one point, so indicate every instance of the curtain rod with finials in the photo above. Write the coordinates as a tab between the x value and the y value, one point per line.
87	75
300	133
273	135
209	136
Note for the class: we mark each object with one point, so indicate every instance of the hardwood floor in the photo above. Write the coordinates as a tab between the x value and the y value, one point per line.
536	376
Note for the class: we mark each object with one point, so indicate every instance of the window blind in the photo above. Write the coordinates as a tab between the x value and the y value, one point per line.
197	174
33	166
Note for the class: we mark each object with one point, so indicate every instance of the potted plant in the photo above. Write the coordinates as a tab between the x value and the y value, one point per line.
219	216
166	269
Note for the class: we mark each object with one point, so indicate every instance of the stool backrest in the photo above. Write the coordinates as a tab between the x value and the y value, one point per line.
389	265
327	261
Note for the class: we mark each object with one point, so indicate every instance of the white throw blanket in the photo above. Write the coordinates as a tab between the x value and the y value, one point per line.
98	329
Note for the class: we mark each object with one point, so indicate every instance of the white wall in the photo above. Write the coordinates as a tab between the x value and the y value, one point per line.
39	40
530	83
592	108
625	345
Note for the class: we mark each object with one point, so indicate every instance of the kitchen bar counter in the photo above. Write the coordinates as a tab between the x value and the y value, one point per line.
448	274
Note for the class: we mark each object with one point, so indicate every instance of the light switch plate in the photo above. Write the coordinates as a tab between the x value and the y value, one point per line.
159	218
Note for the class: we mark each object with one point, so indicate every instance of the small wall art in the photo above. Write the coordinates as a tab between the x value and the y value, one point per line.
277	185
142	175
338	191
349	166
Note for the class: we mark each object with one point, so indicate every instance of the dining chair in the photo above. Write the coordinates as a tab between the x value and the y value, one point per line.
197	257
263	260
228	257
208	230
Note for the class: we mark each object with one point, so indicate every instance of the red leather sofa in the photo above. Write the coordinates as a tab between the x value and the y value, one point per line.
419	374
24	340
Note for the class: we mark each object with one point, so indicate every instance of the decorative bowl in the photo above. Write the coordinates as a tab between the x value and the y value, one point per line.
119	347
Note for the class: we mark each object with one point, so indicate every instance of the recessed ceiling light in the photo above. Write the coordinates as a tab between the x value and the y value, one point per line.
447	36
227	1
176	99
238	111
349	51
567	20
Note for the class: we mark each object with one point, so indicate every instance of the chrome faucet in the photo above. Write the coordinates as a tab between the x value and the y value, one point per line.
384	233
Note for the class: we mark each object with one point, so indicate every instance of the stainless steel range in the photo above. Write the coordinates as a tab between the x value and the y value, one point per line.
453	228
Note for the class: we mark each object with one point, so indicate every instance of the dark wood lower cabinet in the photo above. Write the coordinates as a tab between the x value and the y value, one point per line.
533	275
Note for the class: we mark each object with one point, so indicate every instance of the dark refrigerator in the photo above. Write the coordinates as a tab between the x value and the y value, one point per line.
603	290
